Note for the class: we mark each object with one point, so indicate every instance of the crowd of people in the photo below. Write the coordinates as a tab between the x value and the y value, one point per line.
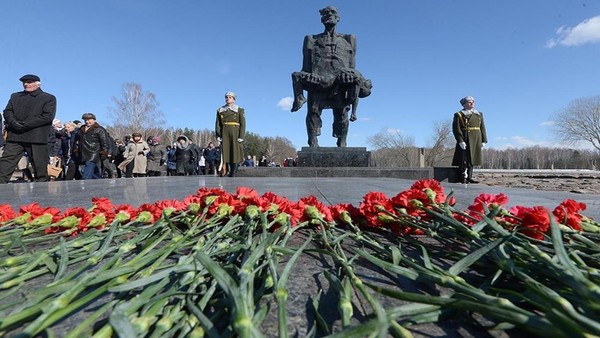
86	150
35	142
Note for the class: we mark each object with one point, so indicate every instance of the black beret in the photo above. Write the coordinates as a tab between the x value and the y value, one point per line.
29	77
87	116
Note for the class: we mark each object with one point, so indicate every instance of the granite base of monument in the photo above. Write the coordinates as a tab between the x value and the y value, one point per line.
334	157
449	174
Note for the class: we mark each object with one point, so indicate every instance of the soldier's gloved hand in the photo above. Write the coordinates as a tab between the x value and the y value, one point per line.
219	139
240	140
462	145
162	162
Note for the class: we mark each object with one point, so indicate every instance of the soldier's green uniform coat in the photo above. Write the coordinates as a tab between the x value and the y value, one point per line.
231	125
474	128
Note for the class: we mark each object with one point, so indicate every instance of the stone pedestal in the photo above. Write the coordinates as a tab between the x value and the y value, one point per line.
449	174
334	157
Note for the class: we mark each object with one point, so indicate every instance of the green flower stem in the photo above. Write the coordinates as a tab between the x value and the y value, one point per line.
530	322
83	329
281	292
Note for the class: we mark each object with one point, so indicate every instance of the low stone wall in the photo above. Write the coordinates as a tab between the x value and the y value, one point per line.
404	173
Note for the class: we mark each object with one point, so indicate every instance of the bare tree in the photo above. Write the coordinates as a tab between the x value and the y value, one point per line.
393	149
441	144
580	121
136	110
279	148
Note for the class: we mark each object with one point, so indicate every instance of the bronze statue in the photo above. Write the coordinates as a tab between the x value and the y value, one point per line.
329	77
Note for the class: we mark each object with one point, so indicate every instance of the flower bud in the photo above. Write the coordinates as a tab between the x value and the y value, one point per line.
194	208
45	219
430	194
224	210
312	212
144	217
282	218
68	222
97	221
252	211
345	216
23	219
269	281
122	217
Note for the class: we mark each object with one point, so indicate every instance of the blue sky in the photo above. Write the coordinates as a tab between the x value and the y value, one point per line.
523	61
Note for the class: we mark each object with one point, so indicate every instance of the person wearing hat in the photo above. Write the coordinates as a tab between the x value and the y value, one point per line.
28	120
135	162
92	141
157	157
230	130
468	128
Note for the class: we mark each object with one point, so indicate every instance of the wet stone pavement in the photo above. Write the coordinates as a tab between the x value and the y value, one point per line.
307	279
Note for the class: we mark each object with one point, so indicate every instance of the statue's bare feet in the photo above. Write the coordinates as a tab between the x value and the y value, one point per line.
298	103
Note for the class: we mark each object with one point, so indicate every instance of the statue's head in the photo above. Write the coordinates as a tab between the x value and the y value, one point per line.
329	15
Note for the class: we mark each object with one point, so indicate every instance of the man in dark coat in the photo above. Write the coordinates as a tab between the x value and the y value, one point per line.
469	131
93	146
212	157
28	117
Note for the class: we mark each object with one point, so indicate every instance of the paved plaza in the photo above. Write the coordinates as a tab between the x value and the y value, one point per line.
136	191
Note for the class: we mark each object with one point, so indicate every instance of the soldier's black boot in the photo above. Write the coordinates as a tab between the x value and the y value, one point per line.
470	176
233	169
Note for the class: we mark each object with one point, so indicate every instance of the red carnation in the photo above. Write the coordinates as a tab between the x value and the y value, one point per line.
7	213
322	209
489	200
535	222
568	213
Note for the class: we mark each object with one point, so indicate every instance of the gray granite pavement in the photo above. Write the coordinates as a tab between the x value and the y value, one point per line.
308	278
329	190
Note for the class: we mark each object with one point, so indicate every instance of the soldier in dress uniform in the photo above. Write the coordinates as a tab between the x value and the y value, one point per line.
469	131
230	129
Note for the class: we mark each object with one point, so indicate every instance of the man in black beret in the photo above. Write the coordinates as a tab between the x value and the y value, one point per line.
28	118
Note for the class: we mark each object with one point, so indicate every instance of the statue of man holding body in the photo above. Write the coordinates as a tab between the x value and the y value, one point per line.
329	76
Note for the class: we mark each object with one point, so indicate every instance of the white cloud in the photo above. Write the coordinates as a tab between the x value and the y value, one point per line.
394	131
285	103
588	31
547	123
523	141
517	141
